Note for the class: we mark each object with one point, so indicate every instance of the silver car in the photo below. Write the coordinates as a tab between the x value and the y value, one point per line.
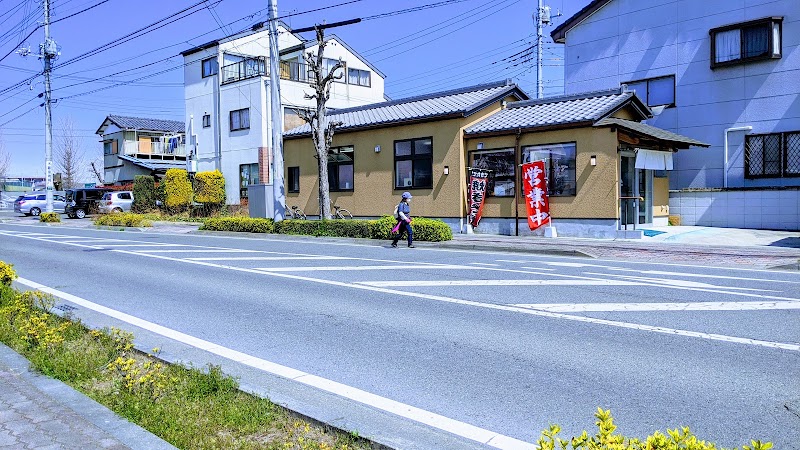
34	204
116	201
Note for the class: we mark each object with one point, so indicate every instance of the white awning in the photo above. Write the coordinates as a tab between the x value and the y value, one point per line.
653	159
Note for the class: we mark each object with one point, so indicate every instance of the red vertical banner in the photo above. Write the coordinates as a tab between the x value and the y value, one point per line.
535	188
476	191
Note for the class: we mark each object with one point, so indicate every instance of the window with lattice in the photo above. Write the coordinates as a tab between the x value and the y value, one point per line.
772	155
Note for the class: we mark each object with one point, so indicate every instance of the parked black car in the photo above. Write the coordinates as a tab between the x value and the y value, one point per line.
81	202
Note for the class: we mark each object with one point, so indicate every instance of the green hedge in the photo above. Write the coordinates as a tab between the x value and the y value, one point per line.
424	229
50	217
123	220
144	193
240	224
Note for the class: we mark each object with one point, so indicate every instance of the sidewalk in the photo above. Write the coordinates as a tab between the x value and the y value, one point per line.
37	412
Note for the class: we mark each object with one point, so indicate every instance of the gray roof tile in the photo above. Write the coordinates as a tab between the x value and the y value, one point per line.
140	123
155	164
552	111
649	130
462	101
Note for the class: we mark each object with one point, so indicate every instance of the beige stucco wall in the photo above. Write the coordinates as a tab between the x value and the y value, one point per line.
597	186
374	193
661	197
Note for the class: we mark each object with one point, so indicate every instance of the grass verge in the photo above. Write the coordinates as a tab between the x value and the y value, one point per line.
189	407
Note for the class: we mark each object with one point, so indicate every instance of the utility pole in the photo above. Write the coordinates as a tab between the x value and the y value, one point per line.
48	51
539	18
278	190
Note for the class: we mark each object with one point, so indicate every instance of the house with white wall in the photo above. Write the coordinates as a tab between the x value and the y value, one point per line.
724	72
227	95
140	146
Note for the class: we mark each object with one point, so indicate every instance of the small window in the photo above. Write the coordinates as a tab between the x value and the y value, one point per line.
655	91
124	196
327	65
240	119
559	166
209	67
501	164
206	120
772	155
248	174
293	180
41	197
755	40
413	163
107	196
359	77
340	168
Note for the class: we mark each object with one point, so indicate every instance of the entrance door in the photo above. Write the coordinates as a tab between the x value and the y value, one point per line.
635	192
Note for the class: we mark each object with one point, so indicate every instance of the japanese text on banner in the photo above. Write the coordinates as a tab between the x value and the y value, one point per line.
535	189
476	190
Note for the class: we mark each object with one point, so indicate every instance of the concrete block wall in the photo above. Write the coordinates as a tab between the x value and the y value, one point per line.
768	209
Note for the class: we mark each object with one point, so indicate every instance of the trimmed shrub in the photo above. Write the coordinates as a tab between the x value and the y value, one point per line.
123	220
240	224
7	273
606	439
50	217
209	188
178	190
144	193
432	230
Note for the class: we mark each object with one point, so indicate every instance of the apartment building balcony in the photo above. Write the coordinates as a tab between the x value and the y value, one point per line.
257	67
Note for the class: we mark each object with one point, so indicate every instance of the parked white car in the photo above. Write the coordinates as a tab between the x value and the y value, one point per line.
35	204
116	201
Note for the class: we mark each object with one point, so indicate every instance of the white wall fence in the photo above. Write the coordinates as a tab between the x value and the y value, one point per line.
767	209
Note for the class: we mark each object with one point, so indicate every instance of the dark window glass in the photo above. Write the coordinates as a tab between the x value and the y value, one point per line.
502	173
293	180
750	41
206	120
125	196
413	167
209	67
559	165
655	91
340	168
240	119
755	41
772	155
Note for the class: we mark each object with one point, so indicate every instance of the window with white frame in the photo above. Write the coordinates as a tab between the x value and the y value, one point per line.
659	91
209	67
240	119
755	40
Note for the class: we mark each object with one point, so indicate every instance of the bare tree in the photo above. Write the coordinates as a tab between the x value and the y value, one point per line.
5	160
68	155
322	128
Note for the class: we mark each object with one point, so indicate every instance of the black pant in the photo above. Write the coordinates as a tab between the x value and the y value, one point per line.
404	227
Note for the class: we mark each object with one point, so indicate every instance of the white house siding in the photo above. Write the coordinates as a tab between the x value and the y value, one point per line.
209	96
628	40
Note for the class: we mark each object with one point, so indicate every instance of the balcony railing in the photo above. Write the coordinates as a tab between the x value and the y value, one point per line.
157	150
242	70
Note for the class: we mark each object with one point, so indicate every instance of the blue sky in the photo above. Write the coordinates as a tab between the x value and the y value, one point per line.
435	49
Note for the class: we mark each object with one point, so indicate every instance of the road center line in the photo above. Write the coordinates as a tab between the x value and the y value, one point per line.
456	427
430	283
639	307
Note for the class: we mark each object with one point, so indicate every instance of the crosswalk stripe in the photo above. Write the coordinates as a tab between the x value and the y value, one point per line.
268	258
640	307
437	283
213	250
354	268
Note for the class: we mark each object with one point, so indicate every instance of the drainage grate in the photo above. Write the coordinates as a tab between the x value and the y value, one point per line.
65	307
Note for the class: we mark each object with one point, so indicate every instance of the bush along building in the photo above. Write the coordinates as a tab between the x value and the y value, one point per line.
720	71
425	144
140	146
227	96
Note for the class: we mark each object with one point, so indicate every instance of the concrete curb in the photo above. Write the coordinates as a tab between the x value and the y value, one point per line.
59	392
511	249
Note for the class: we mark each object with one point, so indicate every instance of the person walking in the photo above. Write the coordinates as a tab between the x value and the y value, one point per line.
404	221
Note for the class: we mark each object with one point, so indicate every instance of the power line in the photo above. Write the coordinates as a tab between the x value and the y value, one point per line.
80	12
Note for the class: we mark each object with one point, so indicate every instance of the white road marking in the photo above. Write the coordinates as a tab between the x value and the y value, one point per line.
545	269
268	258
699	275
155	244
568	264
640	327
485	264
358	268
424	283
639	307
209	250
462	429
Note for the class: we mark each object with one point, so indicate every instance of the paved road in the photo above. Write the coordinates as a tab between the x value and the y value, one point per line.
428	348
